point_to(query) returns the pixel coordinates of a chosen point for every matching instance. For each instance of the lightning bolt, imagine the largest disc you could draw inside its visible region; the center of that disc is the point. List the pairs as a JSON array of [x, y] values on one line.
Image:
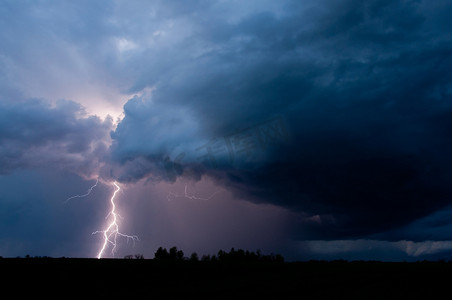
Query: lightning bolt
[[112, 233], [173, 195], [84, 195]]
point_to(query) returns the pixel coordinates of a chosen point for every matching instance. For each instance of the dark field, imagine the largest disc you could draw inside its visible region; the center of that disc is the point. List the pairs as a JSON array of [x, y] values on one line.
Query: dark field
[[216, 280]]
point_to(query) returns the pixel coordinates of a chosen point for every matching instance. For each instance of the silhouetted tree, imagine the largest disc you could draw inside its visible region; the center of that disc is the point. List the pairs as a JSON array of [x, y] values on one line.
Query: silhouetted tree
[[221, 255], [205, 258], [161, 254], [139, 256], [173, 253], [194, 257]]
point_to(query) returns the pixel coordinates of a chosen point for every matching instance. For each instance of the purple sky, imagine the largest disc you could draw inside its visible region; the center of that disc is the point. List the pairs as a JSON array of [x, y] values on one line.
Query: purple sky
[[314, 129]]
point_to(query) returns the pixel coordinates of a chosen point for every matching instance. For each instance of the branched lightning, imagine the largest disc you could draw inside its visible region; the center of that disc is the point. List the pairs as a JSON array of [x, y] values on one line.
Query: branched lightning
[[111, 233], [173, 195], [84, 195]]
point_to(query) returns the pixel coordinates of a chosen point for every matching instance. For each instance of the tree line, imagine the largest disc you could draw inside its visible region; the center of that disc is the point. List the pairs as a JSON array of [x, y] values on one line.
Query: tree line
[[240, 255]]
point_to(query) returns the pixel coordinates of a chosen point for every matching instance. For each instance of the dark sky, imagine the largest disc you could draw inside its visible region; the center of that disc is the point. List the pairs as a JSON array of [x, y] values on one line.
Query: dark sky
[[315, 129]]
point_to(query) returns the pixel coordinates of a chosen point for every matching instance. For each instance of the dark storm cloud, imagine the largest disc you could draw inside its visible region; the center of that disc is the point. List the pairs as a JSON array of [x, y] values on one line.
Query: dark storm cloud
[[35, 134], [364, 88]]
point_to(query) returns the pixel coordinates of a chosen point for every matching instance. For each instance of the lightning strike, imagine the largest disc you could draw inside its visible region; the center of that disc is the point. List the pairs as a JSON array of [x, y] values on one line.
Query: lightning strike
[[172, 195], [84, 195], [112, 233]]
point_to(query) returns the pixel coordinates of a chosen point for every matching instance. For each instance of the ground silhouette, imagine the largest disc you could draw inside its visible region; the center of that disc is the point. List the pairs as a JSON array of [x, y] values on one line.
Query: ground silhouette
[[232, 274]]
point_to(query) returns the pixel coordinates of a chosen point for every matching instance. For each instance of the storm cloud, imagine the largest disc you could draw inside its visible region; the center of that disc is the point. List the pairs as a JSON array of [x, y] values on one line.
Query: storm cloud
[[364, 90], [35, 134]]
